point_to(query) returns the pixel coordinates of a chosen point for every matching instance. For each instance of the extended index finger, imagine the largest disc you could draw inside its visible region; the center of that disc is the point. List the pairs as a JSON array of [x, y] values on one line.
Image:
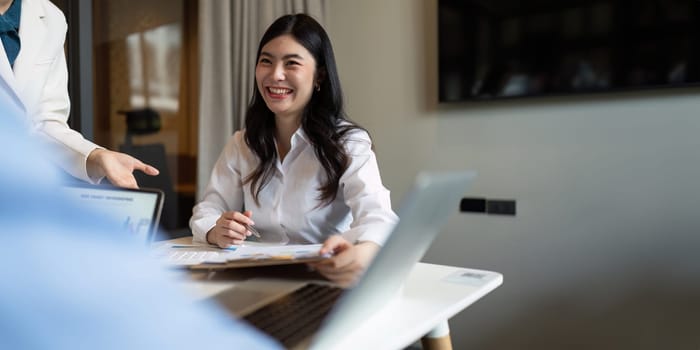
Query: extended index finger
[[137, 164]]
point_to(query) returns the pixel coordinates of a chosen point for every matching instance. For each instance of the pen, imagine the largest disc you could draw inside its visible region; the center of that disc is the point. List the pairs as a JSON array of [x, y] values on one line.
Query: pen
[[253, 231]]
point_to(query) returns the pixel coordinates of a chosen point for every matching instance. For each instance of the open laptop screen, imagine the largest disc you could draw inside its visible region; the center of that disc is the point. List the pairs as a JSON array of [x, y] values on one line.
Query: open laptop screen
[[137, 211]]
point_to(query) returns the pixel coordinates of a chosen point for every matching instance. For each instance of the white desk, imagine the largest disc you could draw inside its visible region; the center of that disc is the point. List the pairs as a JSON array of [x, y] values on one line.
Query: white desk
[[429, 298]]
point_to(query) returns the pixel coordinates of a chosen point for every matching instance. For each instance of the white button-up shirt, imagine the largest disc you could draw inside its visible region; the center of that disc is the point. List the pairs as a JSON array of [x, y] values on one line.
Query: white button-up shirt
[[289, 210]]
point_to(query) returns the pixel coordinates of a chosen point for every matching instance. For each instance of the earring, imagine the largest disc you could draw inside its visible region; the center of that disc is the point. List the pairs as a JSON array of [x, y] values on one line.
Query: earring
[[318, 87]]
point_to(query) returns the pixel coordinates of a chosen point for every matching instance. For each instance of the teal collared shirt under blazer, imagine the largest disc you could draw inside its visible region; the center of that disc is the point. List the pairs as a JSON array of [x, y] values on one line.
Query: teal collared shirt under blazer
[[9, 30]]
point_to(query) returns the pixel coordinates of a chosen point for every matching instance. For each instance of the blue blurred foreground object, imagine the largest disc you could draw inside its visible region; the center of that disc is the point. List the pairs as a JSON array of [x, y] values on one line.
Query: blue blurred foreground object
[[69, 282]]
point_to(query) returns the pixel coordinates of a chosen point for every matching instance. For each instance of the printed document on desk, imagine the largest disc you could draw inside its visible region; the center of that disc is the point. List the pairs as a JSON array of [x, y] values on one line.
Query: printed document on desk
[[250, 254]]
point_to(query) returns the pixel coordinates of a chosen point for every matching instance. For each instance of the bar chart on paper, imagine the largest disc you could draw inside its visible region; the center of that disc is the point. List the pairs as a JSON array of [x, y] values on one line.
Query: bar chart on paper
[[246, 255]]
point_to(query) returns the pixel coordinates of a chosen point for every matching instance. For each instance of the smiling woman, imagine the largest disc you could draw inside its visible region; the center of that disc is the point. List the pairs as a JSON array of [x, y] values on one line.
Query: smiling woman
[[301, 169]]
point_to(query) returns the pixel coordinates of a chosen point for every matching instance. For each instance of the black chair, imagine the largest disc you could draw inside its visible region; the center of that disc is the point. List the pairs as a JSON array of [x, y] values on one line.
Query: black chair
[[143, 122]]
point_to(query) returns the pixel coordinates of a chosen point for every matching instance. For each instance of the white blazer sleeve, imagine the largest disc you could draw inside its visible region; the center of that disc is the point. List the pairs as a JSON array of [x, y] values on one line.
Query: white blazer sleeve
[[51, 122], [44, 76]]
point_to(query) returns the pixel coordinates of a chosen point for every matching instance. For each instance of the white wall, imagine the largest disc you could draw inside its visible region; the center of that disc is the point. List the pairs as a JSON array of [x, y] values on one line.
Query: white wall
[[601, 252]]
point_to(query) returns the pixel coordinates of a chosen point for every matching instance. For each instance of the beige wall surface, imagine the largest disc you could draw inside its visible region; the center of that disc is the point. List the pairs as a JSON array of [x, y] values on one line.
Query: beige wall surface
[[602, 251]]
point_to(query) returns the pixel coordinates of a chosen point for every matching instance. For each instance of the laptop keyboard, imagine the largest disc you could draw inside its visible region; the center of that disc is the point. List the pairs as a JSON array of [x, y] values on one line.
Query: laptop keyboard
[[297, 315]]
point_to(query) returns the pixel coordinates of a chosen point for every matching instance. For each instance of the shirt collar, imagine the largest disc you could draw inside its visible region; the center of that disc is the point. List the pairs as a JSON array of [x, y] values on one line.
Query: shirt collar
[[301, 134], [10, 20]]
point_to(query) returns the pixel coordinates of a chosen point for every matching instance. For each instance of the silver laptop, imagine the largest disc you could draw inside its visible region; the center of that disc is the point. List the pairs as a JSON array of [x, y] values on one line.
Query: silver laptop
[[424, 211], [134, 211]]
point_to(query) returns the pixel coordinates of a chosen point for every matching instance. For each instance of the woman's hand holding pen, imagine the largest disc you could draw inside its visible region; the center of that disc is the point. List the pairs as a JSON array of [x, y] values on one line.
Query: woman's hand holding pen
[[232, 228], [348, 262]]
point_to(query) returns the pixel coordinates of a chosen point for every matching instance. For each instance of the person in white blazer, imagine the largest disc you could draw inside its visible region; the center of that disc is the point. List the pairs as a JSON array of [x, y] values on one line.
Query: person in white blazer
[[39, 79]]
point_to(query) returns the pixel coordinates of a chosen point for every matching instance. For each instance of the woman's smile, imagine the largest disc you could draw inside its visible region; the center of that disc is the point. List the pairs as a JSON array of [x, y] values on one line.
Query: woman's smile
[[279, 92]]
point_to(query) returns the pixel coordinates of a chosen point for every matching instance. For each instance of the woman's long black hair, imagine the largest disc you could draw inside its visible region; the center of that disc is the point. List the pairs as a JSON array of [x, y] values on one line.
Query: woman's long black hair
[[323, 119]]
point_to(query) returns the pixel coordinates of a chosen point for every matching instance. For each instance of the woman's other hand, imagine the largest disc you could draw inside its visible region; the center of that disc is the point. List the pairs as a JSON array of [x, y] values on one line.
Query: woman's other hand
[[348, 261]]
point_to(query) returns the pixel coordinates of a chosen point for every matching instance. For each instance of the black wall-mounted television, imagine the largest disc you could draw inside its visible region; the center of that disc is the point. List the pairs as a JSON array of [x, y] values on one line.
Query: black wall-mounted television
[[490, 49]]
